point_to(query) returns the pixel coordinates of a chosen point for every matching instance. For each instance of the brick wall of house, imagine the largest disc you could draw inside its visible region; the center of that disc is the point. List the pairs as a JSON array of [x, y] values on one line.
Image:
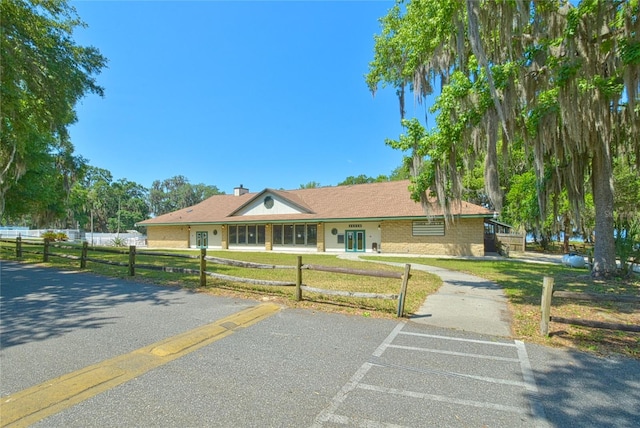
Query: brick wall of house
[[465, 237], [168, 237]]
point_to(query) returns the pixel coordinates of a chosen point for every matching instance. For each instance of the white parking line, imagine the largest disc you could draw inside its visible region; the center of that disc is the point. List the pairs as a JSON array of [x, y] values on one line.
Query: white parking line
[[327, 414], [531, 387], [330, 415], [385, 343], [454, 374], [458, 339], [443, 399], [459, 354], [361, 422]]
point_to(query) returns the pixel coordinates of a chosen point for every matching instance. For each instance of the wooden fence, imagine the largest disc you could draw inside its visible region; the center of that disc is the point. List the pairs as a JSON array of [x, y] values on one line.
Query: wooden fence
[[510, 242], [132, 265], [401, 296], [545, 306]]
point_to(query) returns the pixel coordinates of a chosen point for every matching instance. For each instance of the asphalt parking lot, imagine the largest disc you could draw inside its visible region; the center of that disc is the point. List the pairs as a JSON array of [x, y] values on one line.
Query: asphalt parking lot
[[290, 368]]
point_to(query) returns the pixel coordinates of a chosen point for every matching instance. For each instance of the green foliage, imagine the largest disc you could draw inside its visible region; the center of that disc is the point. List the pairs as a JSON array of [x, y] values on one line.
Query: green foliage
[[176, 193], [55, 236], [100, 204], [44, 74], [557, 81], [362, 179], [627, 215], [119, 242], [627, 241], [49, 235]]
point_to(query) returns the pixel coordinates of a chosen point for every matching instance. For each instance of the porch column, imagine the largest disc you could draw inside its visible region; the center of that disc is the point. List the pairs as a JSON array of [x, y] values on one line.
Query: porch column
[[224, 236], [268, 238], [320, 239]]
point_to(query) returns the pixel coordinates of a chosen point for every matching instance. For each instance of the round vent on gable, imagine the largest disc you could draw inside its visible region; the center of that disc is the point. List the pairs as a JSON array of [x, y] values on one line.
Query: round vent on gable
[[268, 202]]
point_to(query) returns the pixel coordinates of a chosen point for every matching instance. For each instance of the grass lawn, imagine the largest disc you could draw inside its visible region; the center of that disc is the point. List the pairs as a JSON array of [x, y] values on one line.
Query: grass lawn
[[421, 284], [522, 283]]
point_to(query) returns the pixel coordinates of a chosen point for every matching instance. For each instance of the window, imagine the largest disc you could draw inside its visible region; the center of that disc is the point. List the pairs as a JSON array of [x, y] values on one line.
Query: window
[[288, 234], [312, 234], [268, 202], [233, 233], [251, 234], [294, 234], [300, 235], [277, 234], [428, 228]]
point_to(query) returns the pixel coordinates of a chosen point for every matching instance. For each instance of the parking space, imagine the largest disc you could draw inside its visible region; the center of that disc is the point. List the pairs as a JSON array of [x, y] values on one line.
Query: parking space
[[449, 378]]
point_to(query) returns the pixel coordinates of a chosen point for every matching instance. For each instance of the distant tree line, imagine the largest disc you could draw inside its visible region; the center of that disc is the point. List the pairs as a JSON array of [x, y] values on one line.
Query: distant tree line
[[524, 156]]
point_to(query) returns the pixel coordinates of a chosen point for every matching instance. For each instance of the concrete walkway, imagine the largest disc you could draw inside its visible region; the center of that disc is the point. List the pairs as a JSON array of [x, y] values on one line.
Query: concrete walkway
[[464, 302]]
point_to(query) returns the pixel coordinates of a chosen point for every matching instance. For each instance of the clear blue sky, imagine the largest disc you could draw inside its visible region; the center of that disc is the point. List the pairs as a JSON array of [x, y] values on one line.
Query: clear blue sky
[[263, 93]]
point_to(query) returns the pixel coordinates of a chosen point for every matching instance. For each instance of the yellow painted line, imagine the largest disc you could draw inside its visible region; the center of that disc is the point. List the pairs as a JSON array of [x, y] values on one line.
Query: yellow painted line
[[38, 402]]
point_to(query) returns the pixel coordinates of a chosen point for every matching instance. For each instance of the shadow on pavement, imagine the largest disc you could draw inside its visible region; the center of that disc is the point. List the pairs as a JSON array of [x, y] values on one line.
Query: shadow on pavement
[[583, 390], [39, 303]]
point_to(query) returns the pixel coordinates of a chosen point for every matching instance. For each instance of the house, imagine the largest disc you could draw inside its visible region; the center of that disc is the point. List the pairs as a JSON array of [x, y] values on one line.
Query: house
[[374, 217]]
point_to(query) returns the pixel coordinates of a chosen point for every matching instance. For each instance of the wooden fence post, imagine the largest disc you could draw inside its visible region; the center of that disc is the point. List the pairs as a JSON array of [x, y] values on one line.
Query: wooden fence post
[[203, 267], [299, 279], [132, 260], [545, 305], [19, 247], [45, 257], [83, 256], [403, 290]]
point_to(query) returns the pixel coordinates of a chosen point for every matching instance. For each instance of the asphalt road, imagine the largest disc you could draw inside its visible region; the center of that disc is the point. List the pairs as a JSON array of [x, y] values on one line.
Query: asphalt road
[[292, 368]]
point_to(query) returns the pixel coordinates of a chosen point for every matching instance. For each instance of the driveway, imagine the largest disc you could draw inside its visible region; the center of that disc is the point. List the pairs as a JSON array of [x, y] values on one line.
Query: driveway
[[290, 368]]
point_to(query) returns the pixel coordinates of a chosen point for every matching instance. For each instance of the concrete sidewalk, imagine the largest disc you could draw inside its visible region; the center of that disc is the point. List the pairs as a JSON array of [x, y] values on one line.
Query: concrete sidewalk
[[465, 302]]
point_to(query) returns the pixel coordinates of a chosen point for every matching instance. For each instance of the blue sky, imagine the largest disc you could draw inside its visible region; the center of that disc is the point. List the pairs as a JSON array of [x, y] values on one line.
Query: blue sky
[[263, 93]]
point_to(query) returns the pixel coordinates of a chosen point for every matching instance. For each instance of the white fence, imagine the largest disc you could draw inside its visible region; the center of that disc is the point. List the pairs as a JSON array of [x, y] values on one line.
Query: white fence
[[94, 239], [72, 234], [115, 239]]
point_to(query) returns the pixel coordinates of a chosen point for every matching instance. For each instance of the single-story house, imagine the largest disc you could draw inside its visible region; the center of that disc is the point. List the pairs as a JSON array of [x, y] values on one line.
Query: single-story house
[[374, 217]]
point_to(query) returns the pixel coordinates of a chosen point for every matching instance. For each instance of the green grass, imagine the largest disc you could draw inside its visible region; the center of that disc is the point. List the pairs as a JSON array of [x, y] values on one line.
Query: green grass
[[421, 284], [522, 284]]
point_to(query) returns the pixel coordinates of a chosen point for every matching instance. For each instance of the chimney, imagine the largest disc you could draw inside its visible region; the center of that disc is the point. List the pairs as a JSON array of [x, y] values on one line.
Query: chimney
[[239, 191]]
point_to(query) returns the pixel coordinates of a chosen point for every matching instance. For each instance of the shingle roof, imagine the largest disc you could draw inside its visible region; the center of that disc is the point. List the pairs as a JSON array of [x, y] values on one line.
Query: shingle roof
[[356, 202]]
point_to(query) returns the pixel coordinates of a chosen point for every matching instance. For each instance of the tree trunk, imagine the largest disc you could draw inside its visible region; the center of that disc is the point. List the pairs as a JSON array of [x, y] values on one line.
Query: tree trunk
[[604, 253]]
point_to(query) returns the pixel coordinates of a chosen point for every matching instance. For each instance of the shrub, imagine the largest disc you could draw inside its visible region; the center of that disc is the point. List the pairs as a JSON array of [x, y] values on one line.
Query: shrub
[[119, 242], [49, 235]]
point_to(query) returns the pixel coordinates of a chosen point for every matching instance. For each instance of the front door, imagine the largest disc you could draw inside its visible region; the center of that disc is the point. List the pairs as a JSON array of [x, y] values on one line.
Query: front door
[[354, 240], [202, 239]]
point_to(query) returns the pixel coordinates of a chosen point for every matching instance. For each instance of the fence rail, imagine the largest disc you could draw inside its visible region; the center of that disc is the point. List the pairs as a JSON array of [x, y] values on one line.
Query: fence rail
[[545, 306], [203, 273], [401, 296]]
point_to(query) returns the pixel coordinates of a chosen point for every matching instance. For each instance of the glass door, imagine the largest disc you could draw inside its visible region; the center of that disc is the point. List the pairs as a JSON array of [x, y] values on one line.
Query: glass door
[[354, 240], [202, 239]]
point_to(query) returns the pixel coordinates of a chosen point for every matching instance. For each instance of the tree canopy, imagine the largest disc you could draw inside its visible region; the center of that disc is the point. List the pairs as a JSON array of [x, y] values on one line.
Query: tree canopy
[[43, 73], [176, 192], [560, 82]]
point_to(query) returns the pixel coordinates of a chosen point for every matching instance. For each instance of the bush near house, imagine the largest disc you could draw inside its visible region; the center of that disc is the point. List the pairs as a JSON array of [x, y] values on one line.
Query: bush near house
[[55, 236]]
